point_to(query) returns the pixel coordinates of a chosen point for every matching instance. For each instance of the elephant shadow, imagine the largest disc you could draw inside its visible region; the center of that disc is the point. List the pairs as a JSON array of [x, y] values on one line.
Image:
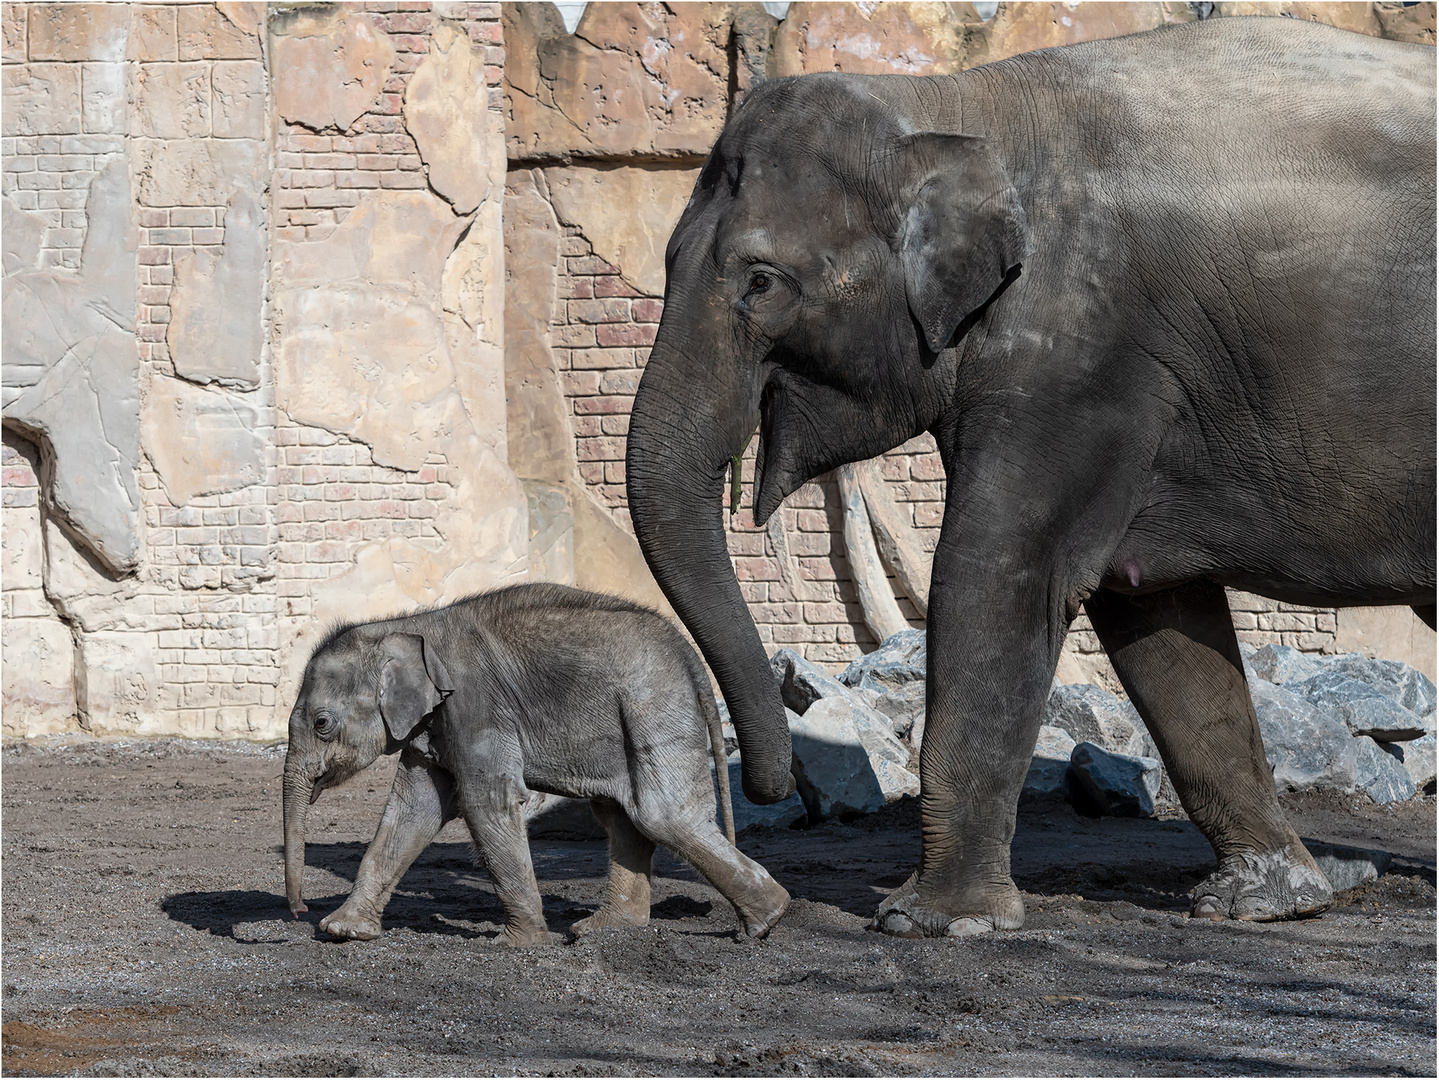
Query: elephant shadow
[[446, 891]]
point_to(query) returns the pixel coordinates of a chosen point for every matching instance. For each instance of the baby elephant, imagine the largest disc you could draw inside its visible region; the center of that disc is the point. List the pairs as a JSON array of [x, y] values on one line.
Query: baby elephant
[[529, 688]]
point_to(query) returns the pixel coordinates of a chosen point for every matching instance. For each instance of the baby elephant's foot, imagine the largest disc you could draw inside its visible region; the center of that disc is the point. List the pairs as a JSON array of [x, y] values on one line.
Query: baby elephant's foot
[[905, 913], [523, 935], [761, 915], [351, 924], [609, 918], [1263, 886]]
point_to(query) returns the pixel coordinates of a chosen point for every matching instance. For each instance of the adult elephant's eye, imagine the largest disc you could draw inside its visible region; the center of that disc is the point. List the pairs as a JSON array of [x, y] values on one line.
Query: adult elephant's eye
[[759, 283]]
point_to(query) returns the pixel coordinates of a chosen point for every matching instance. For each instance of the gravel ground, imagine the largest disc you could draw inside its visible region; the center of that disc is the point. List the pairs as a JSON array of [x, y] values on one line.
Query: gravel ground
[[145, 933]]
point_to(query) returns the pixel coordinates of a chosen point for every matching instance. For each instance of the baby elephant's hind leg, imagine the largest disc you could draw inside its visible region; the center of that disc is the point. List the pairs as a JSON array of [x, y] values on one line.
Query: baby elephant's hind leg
[[757, 897], [632, 856]]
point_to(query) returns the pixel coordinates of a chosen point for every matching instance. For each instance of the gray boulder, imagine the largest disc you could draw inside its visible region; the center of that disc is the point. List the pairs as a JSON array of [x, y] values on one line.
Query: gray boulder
[[1364, 710], [1121, 785], [1397, 681], [1050, 761], [1307, 747], [1348, 867], [1417, 757], [1381, 776], [904, 706], [1091, 714], [838, 776], [1281, 664], [901, 658], [802, 683]]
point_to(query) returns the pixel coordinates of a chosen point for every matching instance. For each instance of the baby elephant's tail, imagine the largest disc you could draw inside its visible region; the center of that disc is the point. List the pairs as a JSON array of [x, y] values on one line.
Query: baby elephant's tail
[[712, 721]]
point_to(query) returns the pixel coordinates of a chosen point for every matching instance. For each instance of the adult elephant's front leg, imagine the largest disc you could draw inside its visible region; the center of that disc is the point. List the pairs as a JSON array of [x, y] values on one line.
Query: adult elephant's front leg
[[1177, 655], [995, 629]]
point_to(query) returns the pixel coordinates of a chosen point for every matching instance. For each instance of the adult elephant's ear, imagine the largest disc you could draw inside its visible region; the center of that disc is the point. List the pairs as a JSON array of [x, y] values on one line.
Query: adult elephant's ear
[[413, 681], [962, 231]]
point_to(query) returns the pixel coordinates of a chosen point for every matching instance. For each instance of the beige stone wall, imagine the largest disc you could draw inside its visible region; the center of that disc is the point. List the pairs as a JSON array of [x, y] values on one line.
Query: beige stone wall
[[269, 245], [614, 166], [328, 311]]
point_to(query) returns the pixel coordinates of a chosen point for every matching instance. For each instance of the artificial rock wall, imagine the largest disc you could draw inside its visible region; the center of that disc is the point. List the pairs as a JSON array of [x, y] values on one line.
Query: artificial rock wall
[[327, 311]]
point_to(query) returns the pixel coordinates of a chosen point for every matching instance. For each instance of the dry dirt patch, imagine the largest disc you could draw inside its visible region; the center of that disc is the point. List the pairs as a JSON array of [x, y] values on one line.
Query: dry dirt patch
[[145, 933]]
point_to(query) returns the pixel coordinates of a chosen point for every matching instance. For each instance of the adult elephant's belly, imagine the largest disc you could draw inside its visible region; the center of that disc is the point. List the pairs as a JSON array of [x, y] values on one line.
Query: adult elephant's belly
[[1348, 550]]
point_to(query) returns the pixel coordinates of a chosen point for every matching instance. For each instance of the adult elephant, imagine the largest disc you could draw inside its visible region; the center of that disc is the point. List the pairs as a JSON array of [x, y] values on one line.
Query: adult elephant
[[1165, 302]]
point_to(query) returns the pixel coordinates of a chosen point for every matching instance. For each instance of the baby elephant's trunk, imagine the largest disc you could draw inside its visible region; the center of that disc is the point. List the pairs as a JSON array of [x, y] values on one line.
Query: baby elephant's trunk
[[296, 804]]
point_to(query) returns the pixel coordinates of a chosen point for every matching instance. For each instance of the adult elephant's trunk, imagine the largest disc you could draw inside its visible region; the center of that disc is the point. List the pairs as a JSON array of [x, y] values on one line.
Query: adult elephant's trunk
[[299, 777], [689, 418]]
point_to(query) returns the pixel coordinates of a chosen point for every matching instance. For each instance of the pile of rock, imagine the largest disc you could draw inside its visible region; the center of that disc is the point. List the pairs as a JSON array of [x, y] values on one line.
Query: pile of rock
[[1342, 723]]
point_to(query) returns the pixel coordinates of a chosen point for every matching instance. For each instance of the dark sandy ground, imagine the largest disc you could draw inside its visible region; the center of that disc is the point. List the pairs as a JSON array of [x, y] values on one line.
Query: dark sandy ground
[[145, 933]]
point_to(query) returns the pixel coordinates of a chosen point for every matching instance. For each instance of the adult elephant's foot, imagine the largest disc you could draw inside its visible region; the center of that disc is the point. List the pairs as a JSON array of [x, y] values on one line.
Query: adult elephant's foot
[[1263, 886], [912, 911], [523, 935], [351, 924]]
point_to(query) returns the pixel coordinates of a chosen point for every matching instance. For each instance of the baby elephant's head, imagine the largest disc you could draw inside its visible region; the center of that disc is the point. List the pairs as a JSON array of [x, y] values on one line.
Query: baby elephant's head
[[364, 693]]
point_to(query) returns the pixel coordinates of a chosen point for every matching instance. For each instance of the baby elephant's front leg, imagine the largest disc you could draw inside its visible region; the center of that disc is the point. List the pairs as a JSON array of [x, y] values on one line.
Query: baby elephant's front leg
[[421, 801]]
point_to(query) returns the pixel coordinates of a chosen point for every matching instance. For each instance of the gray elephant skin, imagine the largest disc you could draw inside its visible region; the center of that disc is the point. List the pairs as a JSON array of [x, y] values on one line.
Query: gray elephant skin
[[1166, 305], [530, 688]]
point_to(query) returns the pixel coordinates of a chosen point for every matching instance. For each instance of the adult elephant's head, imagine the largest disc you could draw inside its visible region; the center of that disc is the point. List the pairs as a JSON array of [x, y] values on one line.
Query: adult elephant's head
[[835, 246]]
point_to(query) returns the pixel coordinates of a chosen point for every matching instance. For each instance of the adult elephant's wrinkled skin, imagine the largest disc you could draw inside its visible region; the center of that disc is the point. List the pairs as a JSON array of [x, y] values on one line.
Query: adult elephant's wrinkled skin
[[1166, 304]]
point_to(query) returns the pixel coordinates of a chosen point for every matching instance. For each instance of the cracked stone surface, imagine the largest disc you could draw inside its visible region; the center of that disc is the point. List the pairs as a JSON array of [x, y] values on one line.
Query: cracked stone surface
[[201, 441], [215, 332], [328, 66], [71, 375], [446, 110], [626, 213], [649, 80]]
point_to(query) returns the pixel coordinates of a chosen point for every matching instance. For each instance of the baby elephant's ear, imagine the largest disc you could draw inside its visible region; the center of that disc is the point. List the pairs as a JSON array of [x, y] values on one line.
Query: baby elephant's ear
[[413, 681]]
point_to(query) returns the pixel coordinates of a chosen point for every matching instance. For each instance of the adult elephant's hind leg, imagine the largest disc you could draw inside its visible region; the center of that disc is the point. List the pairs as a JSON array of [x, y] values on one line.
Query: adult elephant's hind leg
[[1177, 655]]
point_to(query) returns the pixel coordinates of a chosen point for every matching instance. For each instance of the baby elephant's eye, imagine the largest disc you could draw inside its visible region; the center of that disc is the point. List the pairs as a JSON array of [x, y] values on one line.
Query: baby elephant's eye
[[324, 723]]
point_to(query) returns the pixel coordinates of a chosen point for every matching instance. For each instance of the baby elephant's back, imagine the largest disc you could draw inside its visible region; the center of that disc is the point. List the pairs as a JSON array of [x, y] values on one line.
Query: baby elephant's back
[[599, 681]]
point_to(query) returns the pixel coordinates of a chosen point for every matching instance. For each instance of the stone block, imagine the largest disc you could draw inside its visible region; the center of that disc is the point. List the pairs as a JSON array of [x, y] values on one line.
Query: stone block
[[239, 99], [172, 101], [40, 99], [152, 33], [216, 332], [1397, 681], [1348, 867], [1406, 22], [78, 31], [201, 441], [117, 685], [1382, 776], [13, 46], [20, 235], [210, 32], [1361, 707], [103, 99], [1120, 785], [1306, 747], [905, 707], [446, 110], [37, 676], [71, 375], [802, 683], [1281, 664], [626, 213], [873, 39], [328, 66], [195, 172], [632, 79]]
